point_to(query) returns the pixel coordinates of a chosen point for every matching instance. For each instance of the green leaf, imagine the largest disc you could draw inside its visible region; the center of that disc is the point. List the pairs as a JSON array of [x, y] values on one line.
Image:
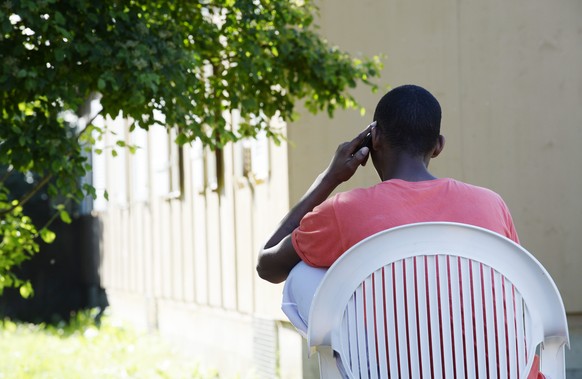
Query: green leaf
[[26, 290], [65, 217], [181, 139], [59, 18], [47, 235], [6, 25], [60, 55]]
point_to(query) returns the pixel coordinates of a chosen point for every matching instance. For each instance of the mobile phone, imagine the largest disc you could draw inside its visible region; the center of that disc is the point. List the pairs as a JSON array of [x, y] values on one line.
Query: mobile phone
[[367, 141]]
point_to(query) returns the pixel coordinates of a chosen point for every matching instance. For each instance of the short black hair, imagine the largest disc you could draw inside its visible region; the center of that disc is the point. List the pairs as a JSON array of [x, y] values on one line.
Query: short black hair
[[409, 118]]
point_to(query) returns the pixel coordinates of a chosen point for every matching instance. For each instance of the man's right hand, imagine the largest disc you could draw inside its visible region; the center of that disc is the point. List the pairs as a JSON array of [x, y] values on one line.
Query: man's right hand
[[348, 158]]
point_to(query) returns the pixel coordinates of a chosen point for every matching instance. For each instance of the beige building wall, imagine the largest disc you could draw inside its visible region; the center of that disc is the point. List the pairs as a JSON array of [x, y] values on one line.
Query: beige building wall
[[509, 79], [181, 232]]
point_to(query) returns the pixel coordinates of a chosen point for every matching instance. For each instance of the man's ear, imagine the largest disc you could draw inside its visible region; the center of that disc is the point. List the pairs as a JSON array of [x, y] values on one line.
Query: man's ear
[[376, 139], [440, 145]]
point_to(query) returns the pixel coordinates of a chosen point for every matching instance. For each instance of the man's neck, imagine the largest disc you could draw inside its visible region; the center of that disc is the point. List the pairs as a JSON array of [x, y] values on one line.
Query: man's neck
[[406, 167]]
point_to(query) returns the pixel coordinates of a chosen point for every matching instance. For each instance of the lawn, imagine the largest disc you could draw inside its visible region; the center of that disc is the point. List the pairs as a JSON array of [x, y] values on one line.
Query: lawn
[[83, 349]]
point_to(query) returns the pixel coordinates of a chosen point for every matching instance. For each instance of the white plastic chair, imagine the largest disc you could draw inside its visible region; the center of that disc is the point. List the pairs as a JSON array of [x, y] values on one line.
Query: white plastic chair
[[437, 300]]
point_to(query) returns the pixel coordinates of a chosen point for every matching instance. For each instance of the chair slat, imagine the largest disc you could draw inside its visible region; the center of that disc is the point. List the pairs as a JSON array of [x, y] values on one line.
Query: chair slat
[[468, 327], [380, 319], [344, 338], [361, 332], [353, 362], [399, 288], [501, 331], [489, 321], [370, 335], [446, 331], [519, 326], [456, 320], [410, 300], [422, 319], [391, 321], [433, 318], [511, 338], [477, 310]]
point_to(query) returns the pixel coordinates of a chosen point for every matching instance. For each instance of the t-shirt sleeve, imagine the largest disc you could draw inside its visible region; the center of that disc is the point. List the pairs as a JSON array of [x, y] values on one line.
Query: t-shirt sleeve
[[317, 240], [511, 231]]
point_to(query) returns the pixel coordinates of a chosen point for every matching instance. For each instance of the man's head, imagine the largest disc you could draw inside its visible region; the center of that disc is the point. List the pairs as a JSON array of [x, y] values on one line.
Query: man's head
[[408, 120]]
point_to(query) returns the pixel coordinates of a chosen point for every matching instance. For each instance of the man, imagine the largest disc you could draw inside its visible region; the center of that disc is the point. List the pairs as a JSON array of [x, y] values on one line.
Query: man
[[405, 136]]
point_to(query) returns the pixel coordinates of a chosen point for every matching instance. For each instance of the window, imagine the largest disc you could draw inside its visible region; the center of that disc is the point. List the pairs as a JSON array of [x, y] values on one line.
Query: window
[[207, 168]]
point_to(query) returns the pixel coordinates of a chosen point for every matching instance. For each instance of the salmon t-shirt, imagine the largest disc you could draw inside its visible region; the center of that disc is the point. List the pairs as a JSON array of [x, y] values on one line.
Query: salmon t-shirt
[[348, 217]]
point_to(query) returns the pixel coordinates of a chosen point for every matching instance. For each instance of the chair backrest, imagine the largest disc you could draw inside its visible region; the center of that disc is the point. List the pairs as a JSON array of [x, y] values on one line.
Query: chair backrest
[[438, 300]]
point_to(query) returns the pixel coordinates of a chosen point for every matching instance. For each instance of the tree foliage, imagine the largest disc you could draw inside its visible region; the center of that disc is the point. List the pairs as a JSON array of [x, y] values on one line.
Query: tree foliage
[[190, 61]]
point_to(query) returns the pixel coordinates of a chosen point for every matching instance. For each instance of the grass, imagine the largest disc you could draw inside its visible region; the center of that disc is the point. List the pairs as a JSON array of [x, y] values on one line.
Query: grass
[[83, 349]]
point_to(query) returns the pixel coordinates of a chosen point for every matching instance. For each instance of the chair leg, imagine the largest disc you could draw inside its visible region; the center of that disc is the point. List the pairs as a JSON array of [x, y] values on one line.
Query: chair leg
[[552, 358], [328, 364]]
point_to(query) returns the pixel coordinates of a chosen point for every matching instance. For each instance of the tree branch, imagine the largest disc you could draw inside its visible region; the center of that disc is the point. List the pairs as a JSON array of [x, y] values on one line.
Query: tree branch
[[87, 126], [28, 195], [6, 175], [53, 218]]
